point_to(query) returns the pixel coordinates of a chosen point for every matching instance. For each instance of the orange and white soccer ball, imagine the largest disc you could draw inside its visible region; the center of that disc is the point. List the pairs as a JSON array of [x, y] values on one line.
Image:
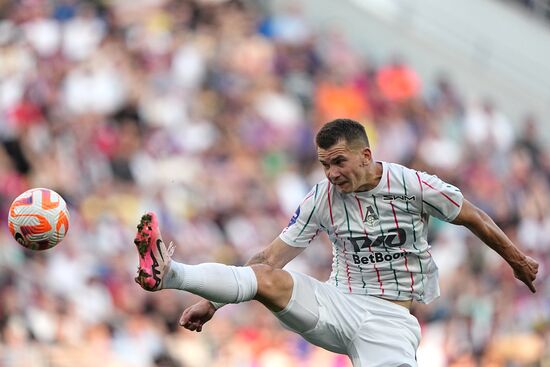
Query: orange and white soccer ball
[[38, 219]]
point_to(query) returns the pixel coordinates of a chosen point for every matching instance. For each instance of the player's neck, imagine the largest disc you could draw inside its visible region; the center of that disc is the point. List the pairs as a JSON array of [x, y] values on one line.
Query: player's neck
[[373, 175]]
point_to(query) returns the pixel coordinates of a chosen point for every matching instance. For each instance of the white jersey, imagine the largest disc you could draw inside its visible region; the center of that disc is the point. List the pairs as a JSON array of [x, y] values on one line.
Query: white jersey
[[379, 237]]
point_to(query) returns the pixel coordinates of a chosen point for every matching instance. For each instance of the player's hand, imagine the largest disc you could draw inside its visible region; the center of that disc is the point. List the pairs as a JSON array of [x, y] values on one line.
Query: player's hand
[[195, 316], [526, 271]]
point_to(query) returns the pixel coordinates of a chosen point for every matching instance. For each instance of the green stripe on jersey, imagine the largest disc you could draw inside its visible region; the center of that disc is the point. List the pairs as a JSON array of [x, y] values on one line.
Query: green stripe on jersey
[[425, 202], [351, 236], [407, 203], [414, 230], [385, 247], [310, 215]]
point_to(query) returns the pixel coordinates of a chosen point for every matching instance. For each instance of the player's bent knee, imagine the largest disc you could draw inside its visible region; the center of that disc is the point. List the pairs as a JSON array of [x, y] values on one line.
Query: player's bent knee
[[274, 286]]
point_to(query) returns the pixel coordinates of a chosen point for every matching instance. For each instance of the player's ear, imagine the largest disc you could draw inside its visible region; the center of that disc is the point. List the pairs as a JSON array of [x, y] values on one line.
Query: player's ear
[[367, 156]]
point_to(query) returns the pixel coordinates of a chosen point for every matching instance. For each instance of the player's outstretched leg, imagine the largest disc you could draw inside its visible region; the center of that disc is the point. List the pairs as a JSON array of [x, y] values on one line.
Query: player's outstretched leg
[[215, 282], [154, 256]]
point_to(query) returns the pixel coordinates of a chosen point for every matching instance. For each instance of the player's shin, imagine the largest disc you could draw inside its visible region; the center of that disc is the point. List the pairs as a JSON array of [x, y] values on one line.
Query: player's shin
[[215, 282]]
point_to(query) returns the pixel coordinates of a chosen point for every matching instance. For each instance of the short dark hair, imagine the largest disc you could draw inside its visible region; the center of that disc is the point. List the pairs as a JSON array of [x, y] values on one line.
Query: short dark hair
[[351, 131]]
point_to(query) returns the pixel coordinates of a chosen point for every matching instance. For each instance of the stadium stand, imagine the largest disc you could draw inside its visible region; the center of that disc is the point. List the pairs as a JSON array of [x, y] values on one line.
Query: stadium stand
[[205, 112]]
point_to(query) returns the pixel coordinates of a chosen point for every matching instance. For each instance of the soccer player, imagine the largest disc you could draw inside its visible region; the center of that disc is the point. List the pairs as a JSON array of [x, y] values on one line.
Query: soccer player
[[376, 216]]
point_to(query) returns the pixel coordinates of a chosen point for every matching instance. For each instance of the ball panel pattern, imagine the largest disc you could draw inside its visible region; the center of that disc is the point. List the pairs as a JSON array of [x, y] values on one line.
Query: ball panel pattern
[[38, 219]]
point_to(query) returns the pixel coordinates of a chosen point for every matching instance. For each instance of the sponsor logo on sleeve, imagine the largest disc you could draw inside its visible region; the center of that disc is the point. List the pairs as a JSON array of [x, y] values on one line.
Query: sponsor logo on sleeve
[[294, 217]]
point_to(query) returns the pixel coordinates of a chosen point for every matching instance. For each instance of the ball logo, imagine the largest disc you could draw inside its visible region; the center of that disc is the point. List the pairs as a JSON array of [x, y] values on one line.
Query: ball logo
[[47, 202]]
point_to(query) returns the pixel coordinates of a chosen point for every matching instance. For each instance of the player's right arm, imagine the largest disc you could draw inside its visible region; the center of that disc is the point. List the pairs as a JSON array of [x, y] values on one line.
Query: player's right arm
[[447, 203], [277, 254], [477, 221]]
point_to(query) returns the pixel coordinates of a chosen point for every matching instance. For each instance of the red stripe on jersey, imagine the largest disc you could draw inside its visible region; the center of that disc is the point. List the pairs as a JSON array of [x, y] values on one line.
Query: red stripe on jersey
[[307, 197], [421, 191], [347, 268], [395, 220], [410, 273], [314, 235], [397, 226], [370, 248], [442, 193], [393, 208], [335, 233], [419, 182]]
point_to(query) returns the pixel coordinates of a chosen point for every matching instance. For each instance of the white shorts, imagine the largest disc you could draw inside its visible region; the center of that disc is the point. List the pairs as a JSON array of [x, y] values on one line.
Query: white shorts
[[370, 330]]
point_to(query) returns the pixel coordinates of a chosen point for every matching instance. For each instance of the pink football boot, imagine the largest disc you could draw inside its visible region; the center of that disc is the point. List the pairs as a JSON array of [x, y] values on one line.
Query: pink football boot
[[154, 256]]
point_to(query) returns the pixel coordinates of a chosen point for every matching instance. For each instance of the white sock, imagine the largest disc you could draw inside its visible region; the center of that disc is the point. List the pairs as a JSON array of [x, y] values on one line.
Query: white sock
[[215, 282]]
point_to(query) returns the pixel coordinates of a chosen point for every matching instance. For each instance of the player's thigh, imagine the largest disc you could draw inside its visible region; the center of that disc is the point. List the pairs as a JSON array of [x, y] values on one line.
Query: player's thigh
[[385, 351], [317, 311], [386, 339]]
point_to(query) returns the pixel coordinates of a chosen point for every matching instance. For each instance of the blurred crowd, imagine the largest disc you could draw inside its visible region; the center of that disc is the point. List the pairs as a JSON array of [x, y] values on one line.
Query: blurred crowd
[[205, 111]]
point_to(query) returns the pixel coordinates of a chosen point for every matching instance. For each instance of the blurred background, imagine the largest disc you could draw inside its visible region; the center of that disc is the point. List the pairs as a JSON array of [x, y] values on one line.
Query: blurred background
[[205, 112]]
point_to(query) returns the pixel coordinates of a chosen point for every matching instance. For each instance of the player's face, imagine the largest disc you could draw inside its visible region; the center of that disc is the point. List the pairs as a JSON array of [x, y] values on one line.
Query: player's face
[[344, 167]]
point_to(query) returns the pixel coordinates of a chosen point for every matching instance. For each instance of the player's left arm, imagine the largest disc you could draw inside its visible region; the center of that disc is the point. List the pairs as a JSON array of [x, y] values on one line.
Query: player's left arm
[[476, 220]]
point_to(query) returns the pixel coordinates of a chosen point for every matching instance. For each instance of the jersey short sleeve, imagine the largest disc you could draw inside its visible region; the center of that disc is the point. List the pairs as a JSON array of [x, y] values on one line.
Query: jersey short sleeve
[[440, 199], [303, 227]]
